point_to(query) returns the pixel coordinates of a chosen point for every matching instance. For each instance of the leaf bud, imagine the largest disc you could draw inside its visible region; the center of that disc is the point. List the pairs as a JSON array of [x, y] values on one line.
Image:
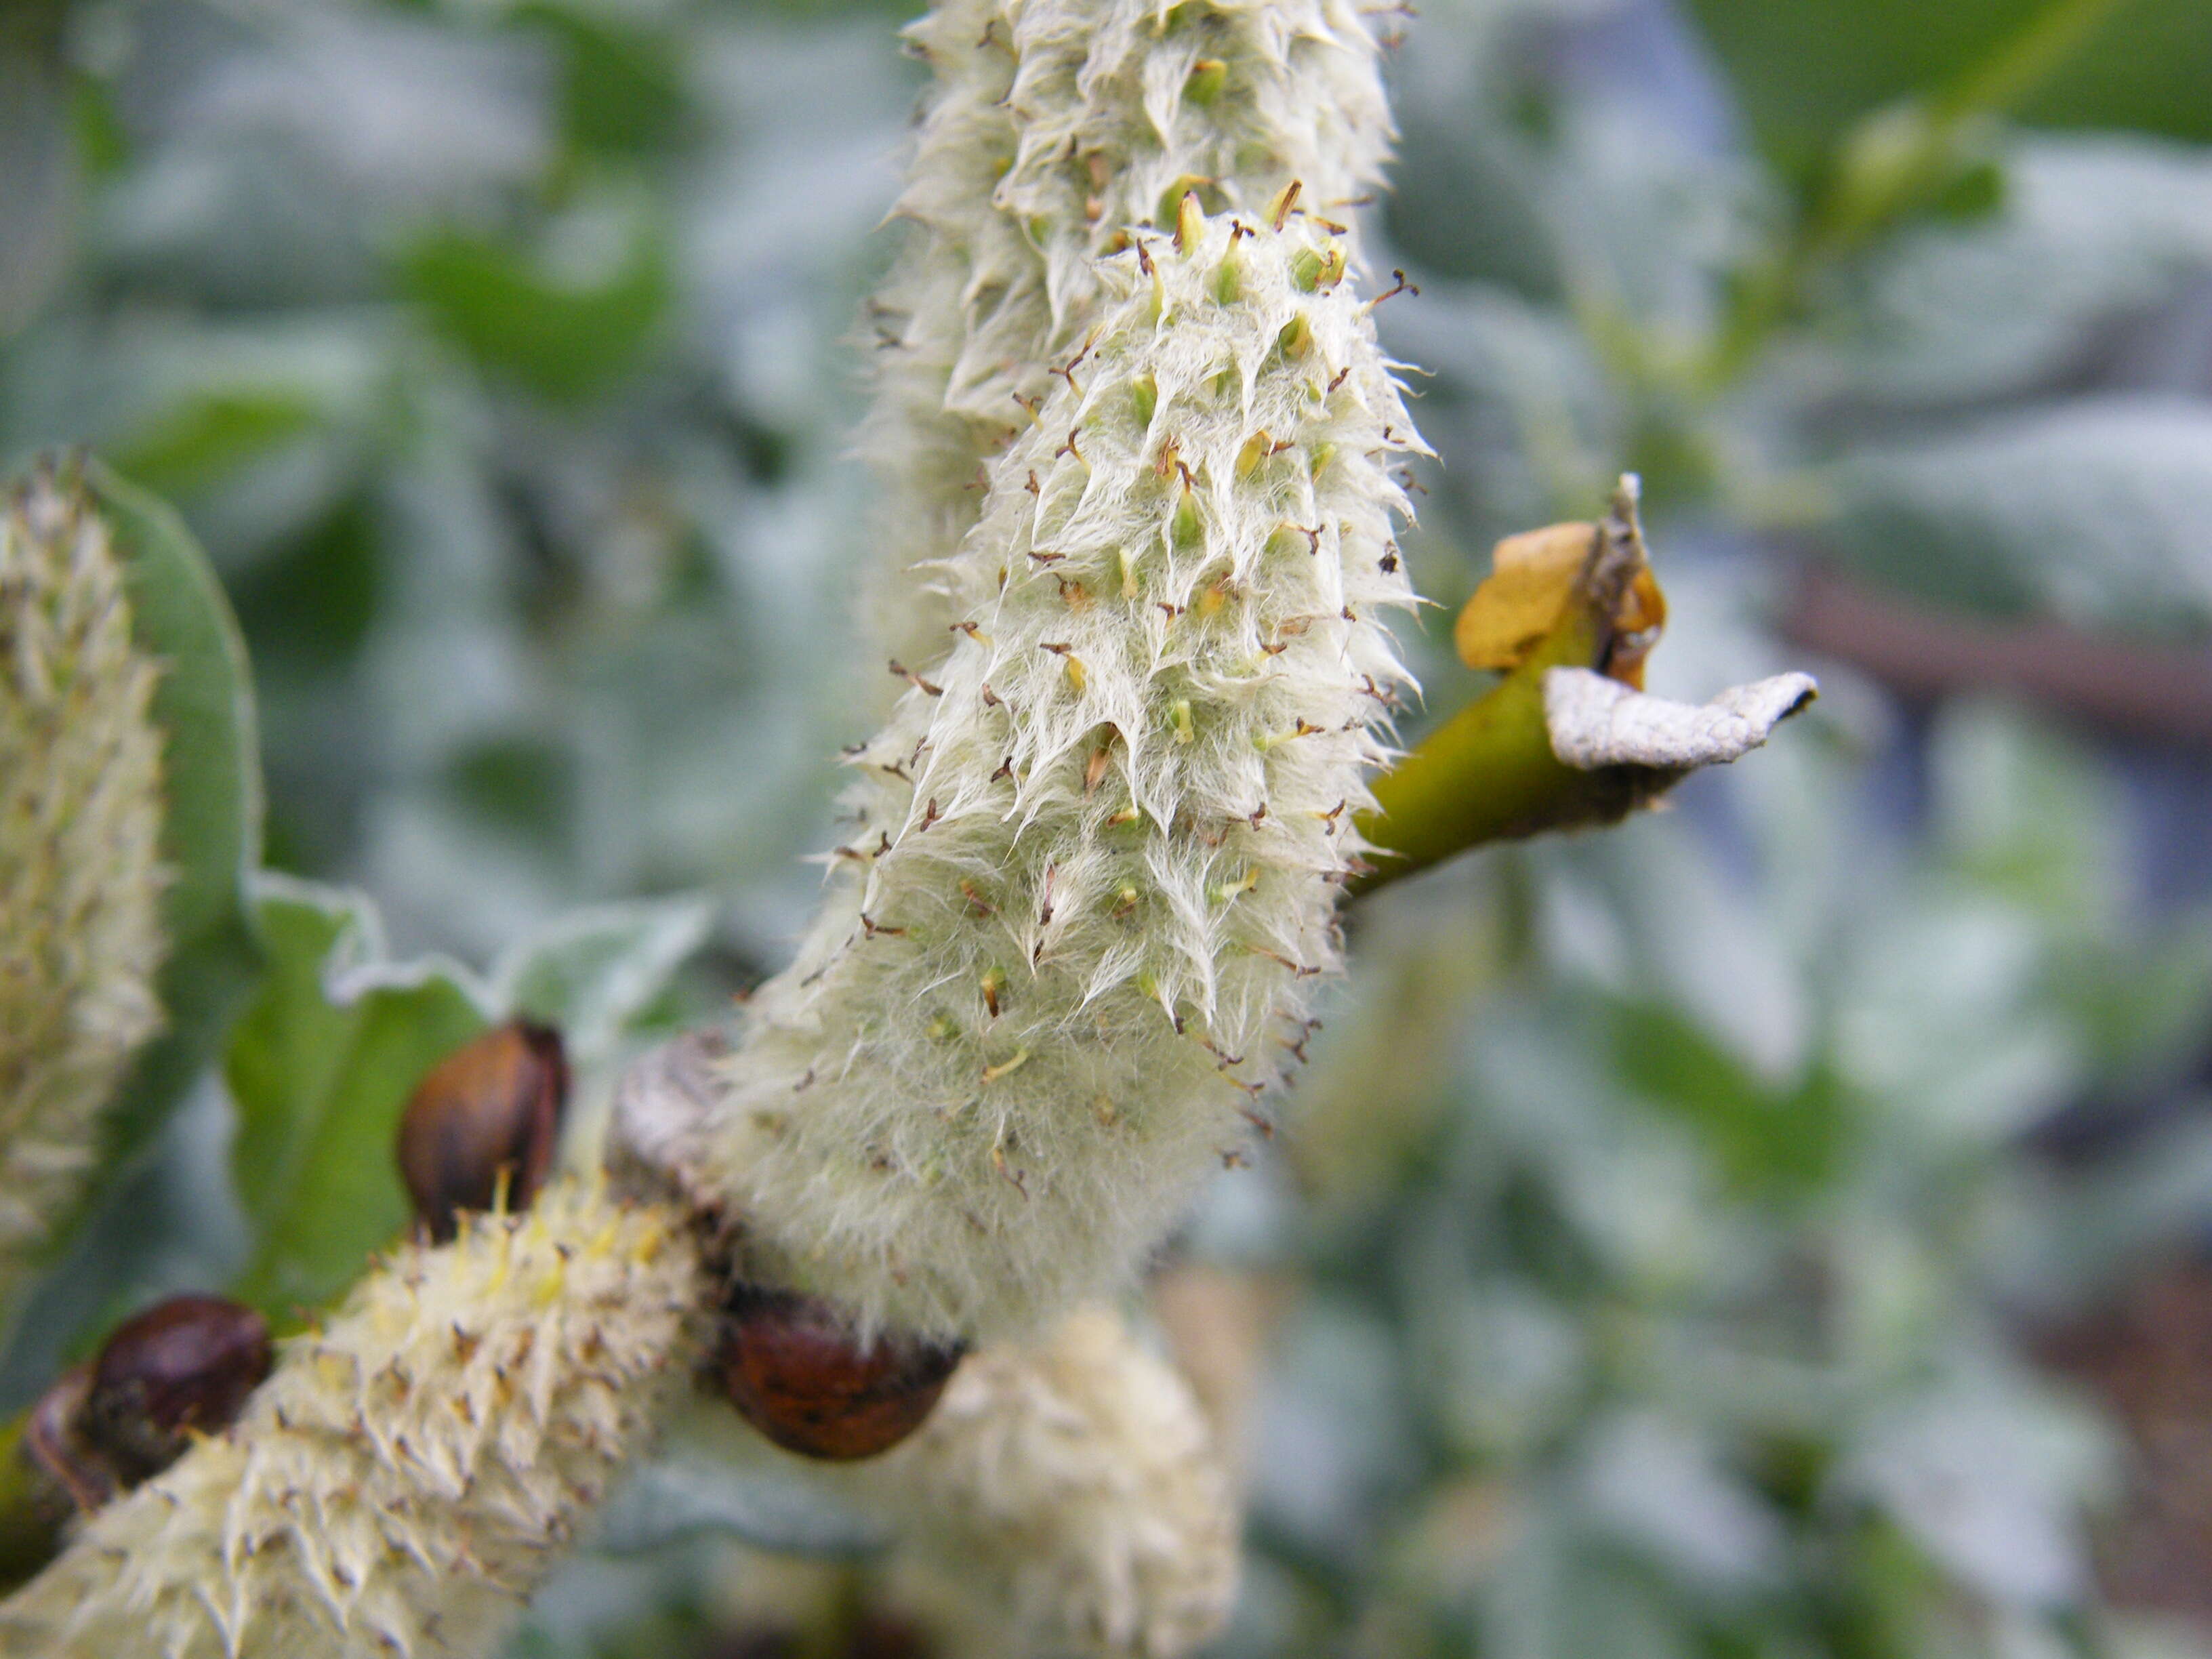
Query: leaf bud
[[794, 1369], [484, 1118], [182, 1367]]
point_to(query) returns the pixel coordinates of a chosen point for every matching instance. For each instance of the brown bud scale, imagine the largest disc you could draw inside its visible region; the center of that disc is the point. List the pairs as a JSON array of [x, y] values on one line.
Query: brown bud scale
[[490, 1111], [792, 1368], [185, 1366]]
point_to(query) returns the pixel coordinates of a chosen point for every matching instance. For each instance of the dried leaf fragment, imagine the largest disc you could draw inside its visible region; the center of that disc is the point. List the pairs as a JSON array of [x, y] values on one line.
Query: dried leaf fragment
[[1542, 580], [1532, 578], [1596, 722]]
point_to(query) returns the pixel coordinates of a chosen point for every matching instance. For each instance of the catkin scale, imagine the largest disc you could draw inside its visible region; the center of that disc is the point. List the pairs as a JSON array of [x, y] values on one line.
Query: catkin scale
[[182, 1367], [1098, 845], [179, 1370]]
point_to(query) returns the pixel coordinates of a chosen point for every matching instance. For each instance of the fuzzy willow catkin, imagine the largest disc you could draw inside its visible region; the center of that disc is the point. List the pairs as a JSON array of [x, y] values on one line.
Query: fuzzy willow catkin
[[1054, 128], [404, 1479], [1096, 850], [1066, 1498], [80, 876]]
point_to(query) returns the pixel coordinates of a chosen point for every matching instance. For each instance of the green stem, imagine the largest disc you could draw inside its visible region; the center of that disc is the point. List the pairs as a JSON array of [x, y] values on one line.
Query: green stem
[[1888, 163], [2026, 60], [1488, 773]]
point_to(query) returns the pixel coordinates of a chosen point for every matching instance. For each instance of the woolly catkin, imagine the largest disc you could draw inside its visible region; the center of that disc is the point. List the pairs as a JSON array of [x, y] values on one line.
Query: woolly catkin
[[80, 878], [404, 1479], [1095, 851], [1056, 128], [1066, 1498]]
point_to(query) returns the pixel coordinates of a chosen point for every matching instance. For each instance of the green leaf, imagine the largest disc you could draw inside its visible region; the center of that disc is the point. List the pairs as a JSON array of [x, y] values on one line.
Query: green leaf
[[559, 335], [621, 86], [320, 1067], [1943, 1026], [1988, 1475], [2093, 510], [211, 820], [203, 439], [2025, 814], [1807, 71], [323, 1063], [593, 972], [1782, 1142], [1662, 1488], [2148, 69]]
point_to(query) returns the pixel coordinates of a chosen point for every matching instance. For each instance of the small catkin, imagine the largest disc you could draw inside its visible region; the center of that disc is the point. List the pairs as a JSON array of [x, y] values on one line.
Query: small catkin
[[1066, 1497], [406, 1478], [80, 873], [1096, 850], [1053, 131]]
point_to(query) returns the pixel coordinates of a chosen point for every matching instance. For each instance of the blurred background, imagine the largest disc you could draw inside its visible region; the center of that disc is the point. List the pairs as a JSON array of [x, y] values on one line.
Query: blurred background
[[1778, 1227]]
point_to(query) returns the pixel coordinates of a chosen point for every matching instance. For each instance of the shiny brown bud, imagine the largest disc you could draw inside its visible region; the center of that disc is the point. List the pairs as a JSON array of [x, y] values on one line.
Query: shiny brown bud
[[184, 1366], [792, 1369], [487, 1113]]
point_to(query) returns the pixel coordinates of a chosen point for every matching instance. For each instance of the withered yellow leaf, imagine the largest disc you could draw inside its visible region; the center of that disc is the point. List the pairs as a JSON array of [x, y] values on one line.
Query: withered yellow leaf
[[1535, 579], [1531, 581]]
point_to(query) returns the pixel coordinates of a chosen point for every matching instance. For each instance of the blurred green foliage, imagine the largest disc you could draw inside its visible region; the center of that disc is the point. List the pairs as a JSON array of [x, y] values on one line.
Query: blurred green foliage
[[1670, 1309], [563, 340], [1806, 73]]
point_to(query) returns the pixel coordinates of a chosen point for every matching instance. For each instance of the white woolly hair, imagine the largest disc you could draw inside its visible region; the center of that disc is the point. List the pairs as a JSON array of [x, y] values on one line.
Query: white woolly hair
[[1055, 129], [1096, 850], [1066, 1498], [404, 1479], [80, 878]]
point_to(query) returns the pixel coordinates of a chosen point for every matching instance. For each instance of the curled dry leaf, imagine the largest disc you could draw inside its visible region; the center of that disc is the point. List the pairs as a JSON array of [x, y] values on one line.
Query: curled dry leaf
[[1596, 722]]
